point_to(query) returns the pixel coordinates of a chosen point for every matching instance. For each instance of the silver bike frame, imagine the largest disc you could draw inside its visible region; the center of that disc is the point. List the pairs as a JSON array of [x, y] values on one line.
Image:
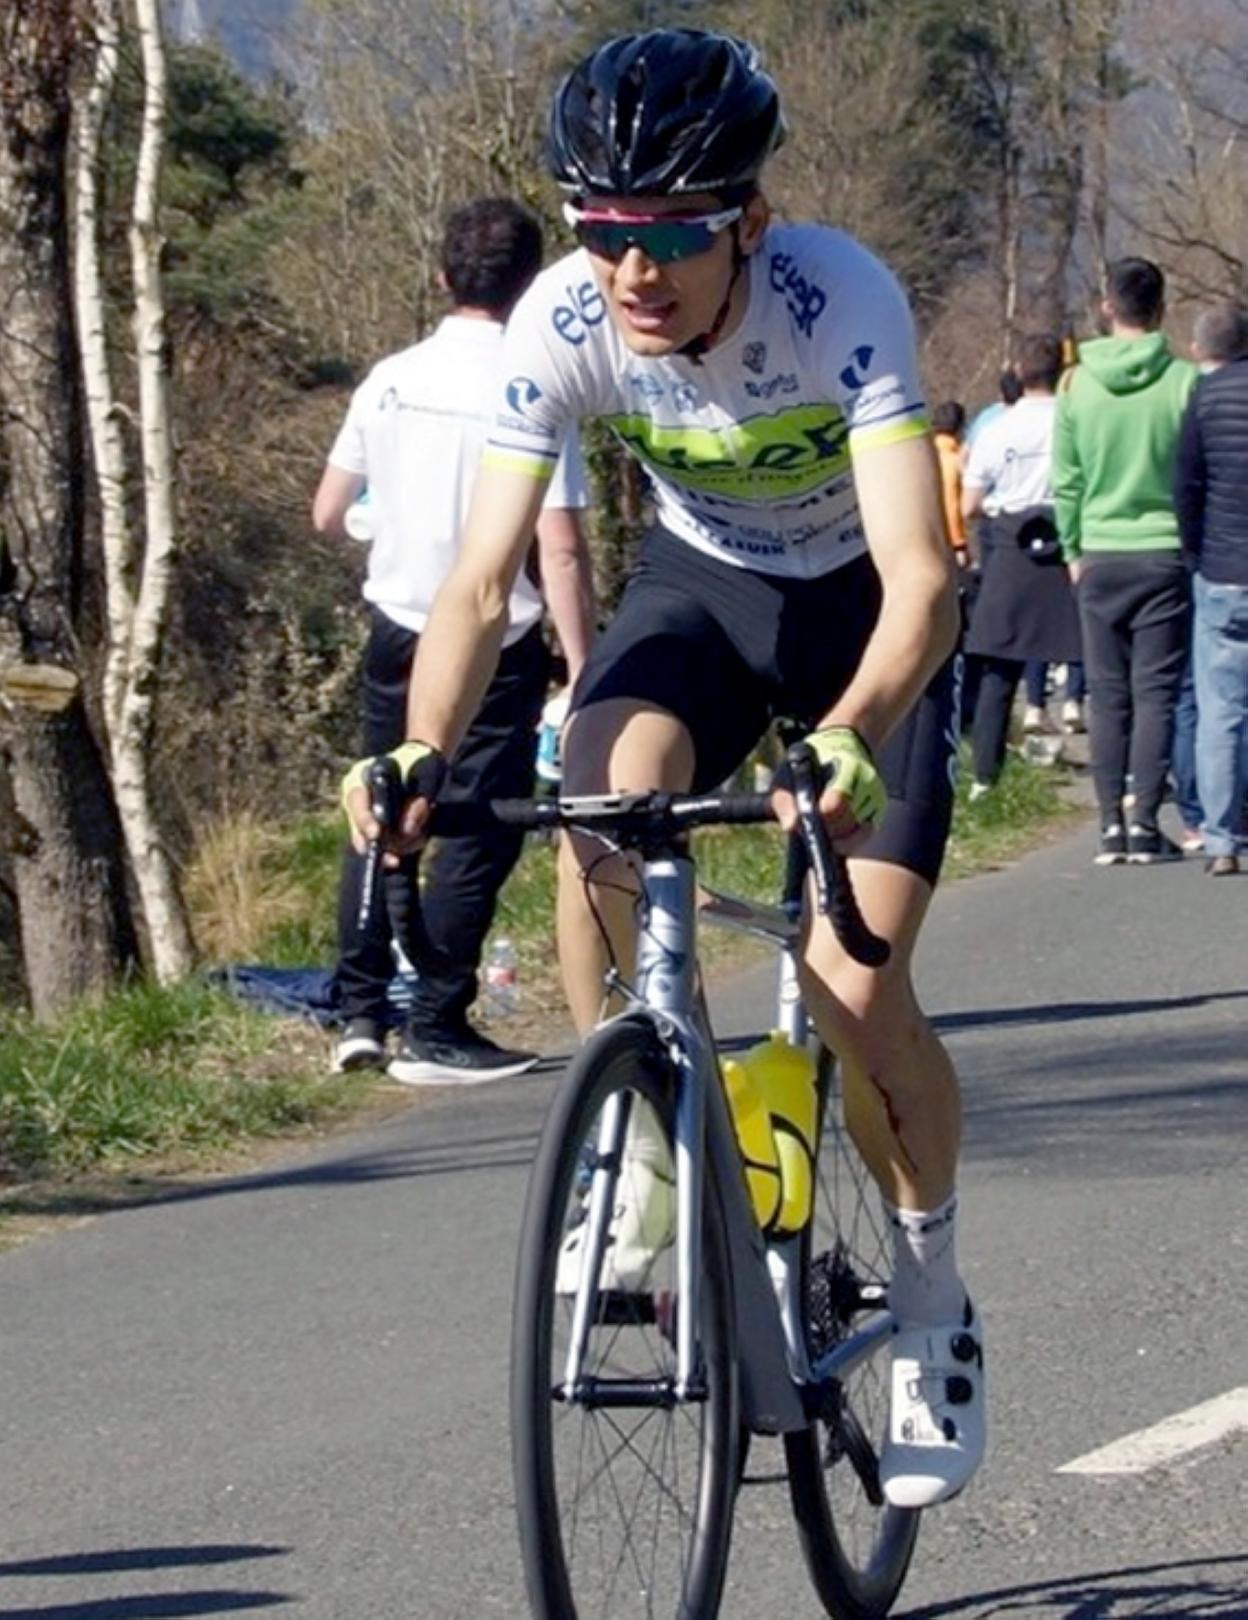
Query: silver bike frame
[[771, 1350]]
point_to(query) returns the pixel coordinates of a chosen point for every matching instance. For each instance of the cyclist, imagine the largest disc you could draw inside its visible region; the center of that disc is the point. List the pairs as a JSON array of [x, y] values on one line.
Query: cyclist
[[765, 375]]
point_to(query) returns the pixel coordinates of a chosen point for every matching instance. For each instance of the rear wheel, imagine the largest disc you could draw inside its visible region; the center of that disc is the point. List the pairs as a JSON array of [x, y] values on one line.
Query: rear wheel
[[624, 1493], [857, 1546]]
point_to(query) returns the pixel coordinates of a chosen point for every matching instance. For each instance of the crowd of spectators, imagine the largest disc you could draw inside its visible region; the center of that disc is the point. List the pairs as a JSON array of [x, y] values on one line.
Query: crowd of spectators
[[1099, 514]]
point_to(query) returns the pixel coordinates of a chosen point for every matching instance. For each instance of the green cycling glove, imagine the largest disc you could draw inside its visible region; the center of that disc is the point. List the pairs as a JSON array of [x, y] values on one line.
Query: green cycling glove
[[422, 770], [846, 764]]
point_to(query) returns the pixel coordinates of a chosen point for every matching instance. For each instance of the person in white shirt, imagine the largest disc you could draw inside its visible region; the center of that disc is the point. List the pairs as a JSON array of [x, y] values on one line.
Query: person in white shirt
[[1025, 608], [411, 443]]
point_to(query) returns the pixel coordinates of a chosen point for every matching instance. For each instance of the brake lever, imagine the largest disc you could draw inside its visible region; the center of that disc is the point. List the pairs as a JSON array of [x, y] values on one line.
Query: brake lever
[[800, 759], [385, 802], [834, 893]]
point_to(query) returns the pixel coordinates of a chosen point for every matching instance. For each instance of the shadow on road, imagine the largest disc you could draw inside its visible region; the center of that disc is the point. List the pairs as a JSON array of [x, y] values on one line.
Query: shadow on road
[[1072, 1012], [151, 1606], [1163, 1591], [146, 1605], [126, 1558], [511, 1151]]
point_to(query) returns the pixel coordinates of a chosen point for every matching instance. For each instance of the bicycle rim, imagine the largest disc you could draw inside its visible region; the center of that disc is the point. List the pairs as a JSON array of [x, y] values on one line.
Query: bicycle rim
[[857, 1549], [625, 1513]]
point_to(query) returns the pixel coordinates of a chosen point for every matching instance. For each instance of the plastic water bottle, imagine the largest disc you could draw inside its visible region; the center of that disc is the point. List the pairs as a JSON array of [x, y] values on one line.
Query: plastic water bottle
[[549, 753], [502, 990], [357, 520]]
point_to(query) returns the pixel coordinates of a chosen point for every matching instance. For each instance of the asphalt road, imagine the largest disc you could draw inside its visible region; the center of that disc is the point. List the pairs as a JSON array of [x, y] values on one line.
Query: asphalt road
[[287, 1390]]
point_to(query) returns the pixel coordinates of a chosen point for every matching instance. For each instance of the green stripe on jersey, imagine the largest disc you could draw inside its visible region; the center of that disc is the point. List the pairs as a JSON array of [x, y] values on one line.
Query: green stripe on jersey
[[773, 457]]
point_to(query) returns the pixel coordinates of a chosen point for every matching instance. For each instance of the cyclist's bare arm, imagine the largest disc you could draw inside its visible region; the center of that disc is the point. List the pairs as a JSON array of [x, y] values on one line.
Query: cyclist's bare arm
[[459, 647], [567, 582], [899, 498]]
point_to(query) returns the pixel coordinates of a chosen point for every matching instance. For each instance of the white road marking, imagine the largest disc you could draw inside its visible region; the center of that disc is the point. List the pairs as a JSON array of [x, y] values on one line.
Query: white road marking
[[1172, 1438]]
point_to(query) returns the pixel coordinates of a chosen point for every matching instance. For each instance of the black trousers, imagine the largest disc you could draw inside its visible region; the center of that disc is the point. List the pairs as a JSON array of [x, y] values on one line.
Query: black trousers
[[1135, 611], [462, 876], [998, 682]]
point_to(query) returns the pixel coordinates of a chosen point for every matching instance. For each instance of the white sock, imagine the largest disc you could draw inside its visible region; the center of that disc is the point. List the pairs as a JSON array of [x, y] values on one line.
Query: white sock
[[925, 1285]]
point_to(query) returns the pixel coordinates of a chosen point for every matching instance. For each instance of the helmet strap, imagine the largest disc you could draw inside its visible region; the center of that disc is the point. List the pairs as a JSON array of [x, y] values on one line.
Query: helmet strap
[[698, 346]]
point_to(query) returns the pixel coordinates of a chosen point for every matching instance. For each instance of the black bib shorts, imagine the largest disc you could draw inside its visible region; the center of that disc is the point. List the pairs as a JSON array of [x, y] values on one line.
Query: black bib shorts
[[727, 650]]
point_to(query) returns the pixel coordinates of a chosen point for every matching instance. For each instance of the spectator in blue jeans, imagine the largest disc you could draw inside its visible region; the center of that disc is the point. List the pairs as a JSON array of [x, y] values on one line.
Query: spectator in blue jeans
[[1211, 501], [1183, 765]]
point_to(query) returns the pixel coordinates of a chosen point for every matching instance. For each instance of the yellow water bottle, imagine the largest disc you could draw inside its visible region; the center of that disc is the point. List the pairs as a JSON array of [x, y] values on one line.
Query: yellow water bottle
[[783, 1077], [752, 1121]]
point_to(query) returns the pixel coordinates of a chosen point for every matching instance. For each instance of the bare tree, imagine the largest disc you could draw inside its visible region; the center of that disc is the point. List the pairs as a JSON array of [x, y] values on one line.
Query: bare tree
[[1184, 191], [65, 840], [138, 584]]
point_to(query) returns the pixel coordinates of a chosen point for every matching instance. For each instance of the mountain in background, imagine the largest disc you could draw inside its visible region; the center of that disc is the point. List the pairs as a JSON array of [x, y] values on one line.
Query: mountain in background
[[250, 32]]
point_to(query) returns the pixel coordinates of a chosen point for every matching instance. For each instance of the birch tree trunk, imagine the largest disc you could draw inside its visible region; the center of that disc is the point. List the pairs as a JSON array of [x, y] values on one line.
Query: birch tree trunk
[[138, 612], [63, 832]]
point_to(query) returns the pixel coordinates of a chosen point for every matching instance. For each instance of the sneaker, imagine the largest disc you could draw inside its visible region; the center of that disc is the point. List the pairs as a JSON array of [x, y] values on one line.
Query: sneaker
[[1072, 717], [467, 1059], [937, 1423], [643, 1224], [978, 791], [1191, 841], [1034, 718], [360, 1046], [1113, 850], [1222, 865], [1146, 846]]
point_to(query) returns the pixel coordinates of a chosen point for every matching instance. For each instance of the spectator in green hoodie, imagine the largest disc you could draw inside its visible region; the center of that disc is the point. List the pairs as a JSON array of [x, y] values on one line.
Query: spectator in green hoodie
[[1116, 434]]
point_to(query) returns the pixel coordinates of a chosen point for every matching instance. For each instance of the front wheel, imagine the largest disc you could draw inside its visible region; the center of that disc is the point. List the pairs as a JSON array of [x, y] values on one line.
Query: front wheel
[[857, 1546], [624, 1492]]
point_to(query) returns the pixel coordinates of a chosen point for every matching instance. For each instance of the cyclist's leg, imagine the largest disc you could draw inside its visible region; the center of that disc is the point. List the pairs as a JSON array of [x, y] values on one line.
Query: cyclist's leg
[[901, 1093], [671, 698], [619, 745], [902, 1104]]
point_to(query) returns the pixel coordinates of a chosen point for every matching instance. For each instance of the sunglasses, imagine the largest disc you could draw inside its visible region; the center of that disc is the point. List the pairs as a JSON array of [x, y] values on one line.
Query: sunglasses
[[663, 238]]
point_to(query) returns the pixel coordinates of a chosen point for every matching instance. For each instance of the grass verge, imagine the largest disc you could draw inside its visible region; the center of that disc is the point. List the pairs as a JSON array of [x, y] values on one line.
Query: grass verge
[[187, 1071], [184, 1070]]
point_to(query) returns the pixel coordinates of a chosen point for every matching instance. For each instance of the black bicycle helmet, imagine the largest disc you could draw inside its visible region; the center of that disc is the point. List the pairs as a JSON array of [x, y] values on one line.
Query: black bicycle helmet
[[670, 111]]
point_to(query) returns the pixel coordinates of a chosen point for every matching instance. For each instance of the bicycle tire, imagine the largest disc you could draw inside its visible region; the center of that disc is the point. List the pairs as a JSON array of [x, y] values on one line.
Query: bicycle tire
[[568, 1571], [857, 1552]]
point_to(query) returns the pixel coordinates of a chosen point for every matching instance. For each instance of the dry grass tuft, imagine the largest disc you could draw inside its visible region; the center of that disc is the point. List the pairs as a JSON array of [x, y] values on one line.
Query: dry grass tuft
[[236, 888]]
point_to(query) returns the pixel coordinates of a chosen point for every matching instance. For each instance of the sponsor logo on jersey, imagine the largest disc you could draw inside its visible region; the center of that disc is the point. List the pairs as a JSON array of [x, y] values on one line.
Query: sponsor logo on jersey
[[785, 383], [765, 457], [873, 397], [806, 301], [647, 386], [754, 358], [585, 308], [522, 394], [858, 363]]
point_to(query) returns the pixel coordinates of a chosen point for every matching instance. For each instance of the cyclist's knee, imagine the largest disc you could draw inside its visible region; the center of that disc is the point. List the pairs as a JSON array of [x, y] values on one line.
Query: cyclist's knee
[[868, 1016], [584, 860], [623, 745]]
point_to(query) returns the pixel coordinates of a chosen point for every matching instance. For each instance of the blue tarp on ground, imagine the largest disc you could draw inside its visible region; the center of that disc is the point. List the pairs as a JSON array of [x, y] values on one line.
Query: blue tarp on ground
[[301, 992]]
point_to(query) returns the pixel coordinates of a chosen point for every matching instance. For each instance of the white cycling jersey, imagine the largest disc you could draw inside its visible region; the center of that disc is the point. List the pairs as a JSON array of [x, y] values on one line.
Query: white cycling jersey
[[749, 449]]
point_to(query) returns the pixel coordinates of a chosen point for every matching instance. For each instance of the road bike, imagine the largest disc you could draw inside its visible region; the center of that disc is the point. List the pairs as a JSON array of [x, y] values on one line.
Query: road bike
[[655, 1326]]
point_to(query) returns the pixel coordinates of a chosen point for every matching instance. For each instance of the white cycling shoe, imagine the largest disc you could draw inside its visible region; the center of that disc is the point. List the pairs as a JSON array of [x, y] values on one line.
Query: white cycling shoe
[[643, 1224], [937, 1422]]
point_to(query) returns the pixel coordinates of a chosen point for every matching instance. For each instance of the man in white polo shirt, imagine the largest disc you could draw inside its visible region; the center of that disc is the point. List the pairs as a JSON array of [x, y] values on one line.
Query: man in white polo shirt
[[412, 438]]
